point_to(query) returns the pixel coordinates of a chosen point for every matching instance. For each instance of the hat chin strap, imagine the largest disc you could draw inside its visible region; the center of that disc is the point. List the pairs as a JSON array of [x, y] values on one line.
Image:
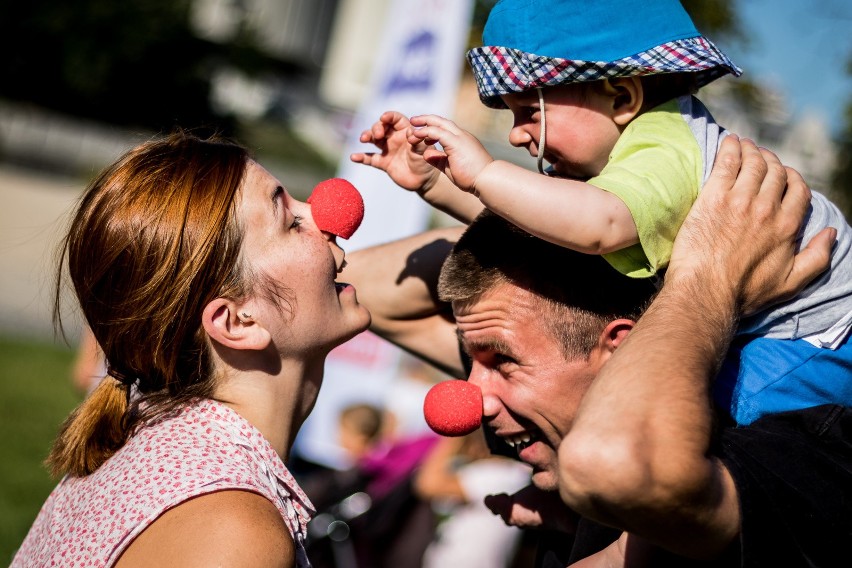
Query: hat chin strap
[[542, 134]]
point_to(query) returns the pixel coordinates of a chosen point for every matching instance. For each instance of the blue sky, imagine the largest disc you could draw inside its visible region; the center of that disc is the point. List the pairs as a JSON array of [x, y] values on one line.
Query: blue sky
[[800, 46]]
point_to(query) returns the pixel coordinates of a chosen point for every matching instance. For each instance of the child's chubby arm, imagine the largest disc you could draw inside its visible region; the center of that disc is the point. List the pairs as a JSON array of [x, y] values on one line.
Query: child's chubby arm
[[567, 212], [405, 165]]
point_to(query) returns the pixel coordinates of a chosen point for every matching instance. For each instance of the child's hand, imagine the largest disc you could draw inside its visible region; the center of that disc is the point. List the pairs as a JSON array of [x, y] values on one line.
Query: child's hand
[[463, 155], [403, 162]]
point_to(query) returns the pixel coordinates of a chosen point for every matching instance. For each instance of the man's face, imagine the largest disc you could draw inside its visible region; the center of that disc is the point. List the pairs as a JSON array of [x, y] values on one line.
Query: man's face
[[530, 391]]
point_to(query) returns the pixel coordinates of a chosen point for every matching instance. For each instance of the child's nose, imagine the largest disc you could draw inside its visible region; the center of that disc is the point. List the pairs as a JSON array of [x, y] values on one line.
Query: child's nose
[[337, 207], [519, 137]]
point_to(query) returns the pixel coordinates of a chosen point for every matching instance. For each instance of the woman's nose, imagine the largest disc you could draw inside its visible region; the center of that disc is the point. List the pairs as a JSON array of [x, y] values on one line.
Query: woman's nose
[[337, 207], [338, 253]]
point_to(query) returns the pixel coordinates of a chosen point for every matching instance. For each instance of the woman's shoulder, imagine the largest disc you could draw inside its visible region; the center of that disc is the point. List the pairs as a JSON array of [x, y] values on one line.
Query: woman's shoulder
[[193, 452], [216, 528], [194, 458]]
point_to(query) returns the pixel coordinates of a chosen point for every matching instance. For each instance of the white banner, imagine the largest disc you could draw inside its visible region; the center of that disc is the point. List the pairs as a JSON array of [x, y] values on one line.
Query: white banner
[[416, 71]]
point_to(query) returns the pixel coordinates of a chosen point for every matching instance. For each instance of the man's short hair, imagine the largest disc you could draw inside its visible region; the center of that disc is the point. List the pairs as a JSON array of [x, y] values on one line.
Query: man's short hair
[[580, 293]]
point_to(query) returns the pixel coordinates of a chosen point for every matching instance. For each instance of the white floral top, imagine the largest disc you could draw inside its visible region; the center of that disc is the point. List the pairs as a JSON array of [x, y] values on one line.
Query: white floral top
[[207, 447]]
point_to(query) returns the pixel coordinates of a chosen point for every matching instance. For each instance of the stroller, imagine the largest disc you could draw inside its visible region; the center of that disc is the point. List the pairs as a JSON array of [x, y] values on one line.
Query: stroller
[[370, 516]]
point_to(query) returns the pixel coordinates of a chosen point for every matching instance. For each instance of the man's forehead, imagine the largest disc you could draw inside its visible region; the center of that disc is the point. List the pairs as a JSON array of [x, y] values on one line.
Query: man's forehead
[[486, 320]]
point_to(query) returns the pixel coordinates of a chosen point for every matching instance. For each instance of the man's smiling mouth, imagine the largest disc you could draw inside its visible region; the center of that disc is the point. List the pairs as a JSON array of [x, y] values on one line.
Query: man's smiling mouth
[[520, 441]]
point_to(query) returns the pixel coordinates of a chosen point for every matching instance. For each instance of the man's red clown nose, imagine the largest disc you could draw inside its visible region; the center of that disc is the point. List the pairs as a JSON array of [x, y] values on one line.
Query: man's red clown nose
[[453, 408], [337, 207]]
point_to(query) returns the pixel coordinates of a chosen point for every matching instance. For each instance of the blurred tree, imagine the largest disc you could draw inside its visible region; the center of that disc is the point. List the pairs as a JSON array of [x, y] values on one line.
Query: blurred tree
[[717, 19], [841, 180], [133, 62]]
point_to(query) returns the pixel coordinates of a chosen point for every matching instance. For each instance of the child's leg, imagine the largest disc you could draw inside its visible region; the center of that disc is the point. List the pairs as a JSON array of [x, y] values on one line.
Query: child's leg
[[764, 376]]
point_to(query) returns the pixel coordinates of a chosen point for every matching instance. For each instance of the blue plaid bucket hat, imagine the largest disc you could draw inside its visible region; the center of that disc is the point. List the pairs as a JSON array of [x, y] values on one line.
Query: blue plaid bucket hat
[[541, 43]]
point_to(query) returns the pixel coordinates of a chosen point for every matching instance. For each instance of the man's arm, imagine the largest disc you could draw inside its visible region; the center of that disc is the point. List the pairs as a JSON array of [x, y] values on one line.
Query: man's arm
[[398, 283], [638, 455]]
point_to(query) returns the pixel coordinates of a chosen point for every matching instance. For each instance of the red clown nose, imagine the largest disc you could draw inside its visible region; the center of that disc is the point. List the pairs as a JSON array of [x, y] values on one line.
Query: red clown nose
[[453, 408], [337, 207]]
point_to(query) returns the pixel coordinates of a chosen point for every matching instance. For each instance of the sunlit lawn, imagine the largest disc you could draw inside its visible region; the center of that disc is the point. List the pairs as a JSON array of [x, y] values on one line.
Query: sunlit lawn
[[35, 396]]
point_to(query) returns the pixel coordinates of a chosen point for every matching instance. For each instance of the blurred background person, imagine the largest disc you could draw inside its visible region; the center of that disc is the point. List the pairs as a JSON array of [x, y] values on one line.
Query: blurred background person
[[387, 523], [455, 477], [361, 427], [89, 363]]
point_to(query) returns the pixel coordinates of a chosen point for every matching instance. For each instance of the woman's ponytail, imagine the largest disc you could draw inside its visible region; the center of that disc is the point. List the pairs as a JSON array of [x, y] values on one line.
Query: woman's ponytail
[[92, 433]]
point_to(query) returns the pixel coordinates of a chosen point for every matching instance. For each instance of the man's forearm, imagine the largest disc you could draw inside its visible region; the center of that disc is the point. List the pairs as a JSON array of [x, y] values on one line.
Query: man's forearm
[[397, 282], [636, 456]]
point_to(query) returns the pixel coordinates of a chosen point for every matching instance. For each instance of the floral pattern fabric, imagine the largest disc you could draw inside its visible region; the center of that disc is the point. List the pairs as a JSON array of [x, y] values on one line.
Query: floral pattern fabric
[[206, 447]]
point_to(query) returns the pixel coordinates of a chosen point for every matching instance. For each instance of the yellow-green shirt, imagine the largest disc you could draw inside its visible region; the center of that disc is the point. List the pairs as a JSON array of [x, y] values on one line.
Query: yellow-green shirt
[[657, 168]]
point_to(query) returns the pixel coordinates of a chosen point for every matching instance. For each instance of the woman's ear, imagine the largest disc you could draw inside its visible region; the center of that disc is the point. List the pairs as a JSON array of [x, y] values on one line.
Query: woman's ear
[[627, 96], [232, 325]]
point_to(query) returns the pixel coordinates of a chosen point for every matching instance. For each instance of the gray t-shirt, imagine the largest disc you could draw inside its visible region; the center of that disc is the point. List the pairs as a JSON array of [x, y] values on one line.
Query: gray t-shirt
[[822, 312]]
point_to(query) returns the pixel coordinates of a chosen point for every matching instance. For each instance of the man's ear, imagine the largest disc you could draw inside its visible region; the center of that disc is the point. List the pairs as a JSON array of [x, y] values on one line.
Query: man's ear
[[614, 335], [230, 325], [627, 96]]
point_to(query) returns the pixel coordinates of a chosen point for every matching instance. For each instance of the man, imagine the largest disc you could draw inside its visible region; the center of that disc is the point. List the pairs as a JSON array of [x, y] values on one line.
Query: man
[[616, 414]]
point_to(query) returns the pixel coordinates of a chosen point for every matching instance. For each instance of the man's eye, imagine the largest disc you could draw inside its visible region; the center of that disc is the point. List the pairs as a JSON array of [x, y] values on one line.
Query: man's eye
[[297, 222], [504, 362]]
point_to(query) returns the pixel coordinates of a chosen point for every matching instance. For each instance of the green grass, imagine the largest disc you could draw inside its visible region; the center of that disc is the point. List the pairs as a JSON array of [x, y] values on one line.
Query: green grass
[[36, 394]]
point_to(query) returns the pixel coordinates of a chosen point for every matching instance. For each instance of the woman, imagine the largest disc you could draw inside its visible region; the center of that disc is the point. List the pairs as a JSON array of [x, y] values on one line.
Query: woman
[[212, 293]]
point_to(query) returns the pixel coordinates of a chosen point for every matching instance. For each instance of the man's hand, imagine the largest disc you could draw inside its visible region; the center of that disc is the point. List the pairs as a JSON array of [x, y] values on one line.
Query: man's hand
[[533, 508], [744, 229]]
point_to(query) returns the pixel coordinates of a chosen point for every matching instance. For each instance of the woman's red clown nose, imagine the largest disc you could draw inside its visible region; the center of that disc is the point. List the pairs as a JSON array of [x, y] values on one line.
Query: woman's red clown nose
[[337, 207], [453, 408]]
